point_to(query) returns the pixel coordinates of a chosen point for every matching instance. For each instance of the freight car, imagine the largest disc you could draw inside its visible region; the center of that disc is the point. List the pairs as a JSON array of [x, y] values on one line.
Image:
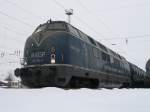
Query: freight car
[[147, 79], [148, 67], [60, 55], [138, 76]]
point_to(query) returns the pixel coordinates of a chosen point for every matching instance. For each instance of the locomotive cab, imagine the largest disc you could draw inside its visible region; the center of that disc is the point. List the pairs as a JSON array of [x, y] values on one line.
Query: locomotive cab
[[47, 44], [51, 54]]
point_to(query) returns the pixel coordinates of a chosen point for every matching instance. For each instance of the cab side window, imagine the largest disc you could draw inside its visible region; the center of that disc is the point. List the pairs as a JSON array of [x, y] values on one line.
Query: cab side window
[[105, 57]]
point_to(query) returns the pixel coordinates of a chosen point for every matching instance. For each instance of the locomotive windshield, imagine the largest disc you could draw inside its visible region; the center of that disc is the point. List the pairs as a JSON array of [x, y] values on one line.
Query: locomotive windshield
[[56, 26], [51, 26], [40, 28]]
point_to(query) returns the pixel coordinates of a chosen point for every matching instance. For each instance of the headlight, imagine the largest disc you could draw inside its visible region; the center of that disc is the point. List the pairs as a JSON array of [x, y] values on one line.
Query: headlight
[[53, 58], [52, 61]]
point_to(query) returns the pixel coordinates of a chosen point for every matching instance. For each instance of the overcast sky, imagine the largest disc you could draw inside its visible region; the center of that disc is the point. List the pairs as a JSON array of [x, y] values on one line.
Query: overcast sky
[[123, 23]]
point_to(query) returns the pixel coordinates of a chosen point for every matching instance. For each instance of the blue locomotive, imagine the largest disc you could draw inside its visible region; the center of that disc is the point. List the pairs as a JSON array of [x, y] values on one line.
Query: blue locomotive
[[60, 55]]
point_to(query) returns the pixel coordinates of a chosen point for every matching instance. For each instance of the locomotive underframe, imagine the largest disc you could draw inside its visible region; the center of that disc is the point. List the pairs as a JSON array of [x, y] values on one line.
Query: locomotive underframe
[[69, 76]]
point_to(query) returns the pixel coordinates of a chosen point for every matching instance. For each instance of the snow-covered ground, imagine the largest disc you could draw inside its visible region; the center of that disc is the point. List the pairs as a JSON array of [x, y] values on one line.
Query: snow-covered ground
[[80, 100], [129, 23]]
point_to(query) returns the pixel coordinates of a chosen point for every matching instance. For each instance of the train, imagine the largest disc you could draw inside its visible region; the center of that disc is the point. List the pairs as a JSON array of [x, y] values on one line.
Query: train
[[147, 67], [57, 54]]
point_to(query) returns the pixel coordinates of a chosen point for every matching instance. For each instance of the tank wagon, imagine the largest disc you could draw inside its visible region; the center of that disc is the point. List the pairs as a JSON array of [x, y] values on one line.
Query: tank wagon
[[148, 67], [59, 55]]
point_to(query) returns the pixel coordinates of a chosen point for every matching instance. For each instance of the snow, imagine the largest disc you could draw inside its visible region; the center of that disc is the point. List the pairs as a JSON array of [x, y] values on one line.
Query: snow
[[125, 23], [78, 100], [8, 64]]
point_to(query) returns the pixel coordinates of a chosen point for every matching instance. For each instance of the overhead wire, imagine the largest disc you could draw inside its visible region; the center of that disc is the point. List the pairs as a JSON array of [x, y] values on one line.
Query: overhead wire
[[10, 29], [79, 19], [23, 9], [27, 24], [127, 37], [15, 19], [15, 32], [124, 7], [7, 28], [98, 18], [59, 4], [13, 27], [83, 22]]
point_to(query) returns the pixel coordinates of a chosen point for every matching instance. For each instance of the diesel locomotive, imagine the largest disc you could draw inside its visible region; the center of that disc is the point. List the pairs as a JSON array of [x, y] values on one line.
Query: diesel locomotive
[[59, 55]]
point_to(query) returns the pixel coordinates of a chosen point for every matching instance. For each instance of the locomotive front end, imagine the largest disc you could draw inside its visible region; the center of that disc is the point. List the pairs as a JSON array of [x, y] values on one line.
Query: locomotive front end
[[44, 53]]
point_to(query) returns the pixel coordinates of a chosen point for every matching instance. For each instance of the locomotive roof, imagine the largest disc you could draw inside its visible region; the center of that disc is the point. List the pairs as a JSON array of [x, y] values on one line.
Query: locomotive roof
[[87, 38], [50, 21]]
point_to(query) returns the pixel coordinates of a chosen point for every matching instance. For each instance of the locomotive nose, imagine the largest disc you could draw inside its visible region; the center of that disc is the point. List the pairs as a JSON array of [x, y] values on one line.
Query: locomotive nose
[[51, 48]]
